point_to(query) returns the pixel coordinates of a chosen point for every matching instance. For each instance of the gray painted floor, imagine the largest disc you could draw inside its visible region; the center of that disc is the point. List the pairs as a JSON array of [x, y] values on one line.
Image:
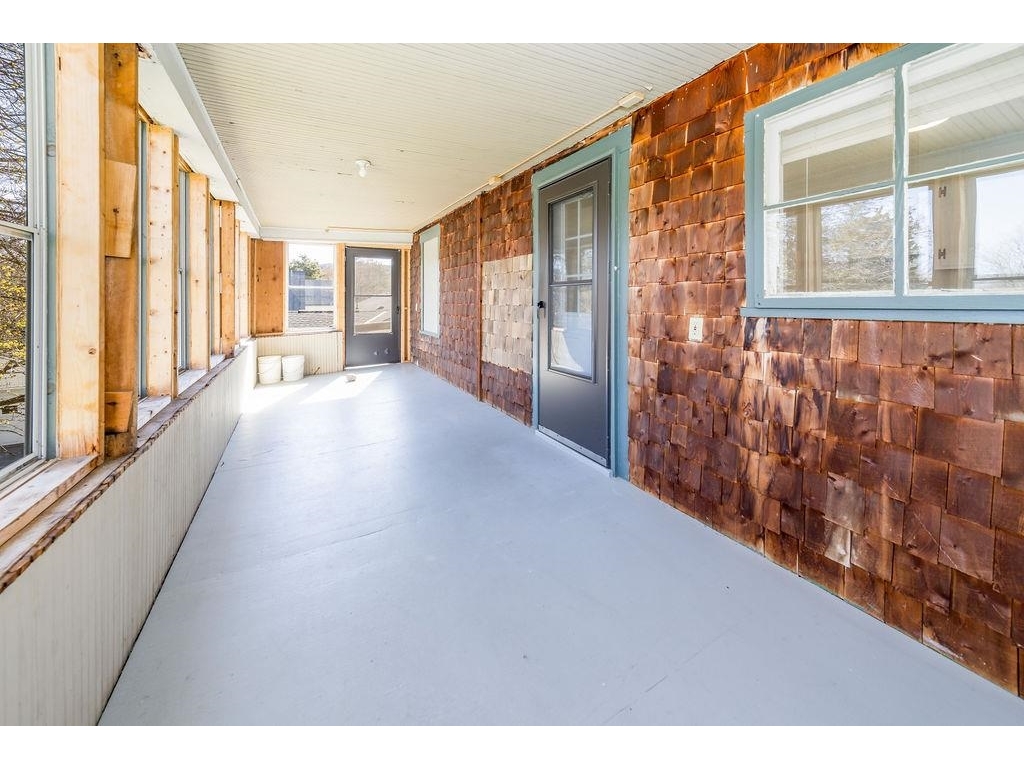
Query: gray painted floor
[[391, 551]]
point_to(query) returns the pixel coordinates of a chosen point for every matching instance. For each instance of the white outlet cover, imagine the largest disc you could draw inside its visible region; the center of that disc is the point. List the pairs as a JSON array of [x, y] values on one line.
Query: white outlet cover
[[696, 329]]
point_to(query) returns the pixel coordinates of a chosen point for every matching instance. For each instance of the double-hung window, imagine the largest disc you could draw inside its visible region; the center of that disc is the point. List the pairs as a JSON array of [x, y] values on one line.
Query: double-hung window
[[22, 257], [184, 273], [893, 190], [430, 279]]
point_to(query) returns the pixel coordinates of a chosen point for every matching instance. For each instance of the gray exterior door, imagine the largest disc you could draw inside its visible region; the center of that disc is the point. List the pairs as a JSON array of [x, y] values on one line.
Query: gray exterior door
[[572, 310], [373, 291]]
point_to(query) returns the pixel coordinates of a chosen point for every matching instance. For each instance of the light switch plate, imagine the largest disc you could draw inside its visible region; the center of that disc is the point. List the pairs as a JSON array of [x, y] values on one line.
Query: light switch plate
[[696, 329]]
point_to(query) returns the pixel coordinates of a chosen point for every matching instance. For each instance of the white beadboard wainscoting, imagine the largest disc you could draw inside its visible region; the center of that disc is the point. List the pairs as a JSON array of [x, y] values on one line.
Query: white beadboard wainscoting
[[68, 621], [324, 351]]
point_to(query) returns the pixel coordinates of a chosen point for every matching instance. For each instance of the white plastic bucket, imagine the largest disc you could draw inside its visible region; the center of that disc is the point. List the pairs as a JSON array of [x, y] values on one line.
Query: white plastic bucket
[[269, 368], [292, 367]]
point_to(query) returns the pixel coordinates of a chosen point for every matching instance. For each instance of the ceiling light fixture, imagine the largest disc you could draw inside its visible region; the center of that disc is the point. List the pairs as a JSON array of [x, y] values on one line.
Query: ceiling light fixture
[[363, 167], [631, 99]]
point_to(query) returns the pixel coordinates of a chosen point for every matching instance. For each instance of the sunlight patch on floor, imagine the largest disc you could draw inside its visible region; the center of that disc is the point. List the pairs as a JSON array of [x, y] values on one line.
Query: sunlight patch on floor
[[267, 395], [345, 386]]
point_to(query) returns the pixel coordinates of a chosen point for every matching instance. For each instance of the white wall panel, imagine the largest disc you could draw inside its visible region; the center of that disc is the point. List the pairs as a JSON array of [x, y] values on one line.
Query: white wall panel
[[325, 353], [68, 622]]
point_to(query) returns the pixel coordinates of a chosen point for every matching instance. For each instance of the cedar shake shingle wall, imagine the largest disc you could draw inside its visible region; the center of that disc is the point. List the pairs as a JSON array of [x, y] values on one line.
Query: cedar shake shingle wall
[[455, 355], [505, 235], [425, 349], [883, 461]]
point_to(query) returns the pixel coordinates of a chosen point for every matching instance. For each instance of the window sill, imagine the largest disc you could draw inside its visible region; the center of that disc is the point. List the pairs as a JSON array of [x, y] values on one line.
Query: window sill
[[150, 406], [188, 378], [23, 502]]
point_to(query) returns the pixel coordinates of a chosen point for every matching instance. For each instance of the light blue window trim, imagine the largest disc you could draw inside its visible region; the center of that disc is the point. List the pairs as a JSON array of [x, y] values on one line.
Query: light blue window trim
[[615, 146], [937, 305], [432, 233]]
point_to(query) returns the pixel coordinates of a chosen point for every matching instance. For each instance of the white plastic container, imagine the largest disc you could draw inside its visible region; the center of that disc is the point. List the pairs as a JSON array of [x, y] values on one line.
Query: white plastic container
[[269, 368], [292, 367]]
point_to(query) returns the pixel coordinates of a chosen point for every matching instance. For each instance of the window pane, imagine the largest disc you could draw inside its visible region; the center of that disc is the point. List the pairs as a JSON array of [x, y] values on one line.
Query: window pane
[[13, 143], [572, 337], [573, 239], [965, 104], [15, 438], [967, 232], [310, 287], [834, 247], [372, 295], [431, 275], [143, 246], [183, 272], [837, 142]]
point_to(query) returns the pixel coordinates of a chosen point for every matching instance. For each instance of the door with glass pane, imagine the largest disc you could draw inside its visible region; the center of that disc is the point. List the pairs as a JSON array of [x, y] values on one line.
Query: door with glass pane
[[372, 306], [572, 310]]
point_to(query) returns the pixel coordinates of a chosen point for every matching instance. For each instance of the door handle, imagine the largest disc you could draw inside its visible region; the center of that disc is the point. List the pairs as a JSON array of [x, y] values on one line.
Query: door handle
[[540, 305]]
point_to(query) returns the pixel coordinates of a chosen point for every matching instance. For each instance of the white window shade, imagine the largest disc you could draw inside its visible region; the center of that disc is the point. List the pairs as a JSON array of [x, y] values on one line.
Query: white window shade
[[840, 141], [965, 105]]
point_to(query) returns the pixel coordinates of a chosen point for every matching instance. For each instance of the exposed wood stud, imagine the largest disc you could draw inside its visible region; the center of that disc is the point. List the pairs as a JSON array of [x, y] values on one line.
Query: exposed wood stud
[[199, 271], [121, 290], [162, 267], [228, 260], [80, 242]]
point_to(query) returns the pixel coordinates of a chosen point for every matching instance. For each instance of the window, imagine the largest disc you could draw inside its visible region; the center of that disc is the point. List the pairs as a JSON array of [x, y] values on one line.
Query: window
[[430, 274], [893, 190], [310, 287], [22, 257], [213, 217], [142, 244], [184, 275]]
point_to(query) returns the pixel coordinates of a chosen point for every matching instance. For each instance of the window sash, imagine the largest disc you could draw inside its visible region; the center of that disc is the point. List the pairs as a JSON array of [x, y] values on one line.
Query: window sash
[[142, 245], [184, 272], [430, 282], [35, 234], [901, 303]]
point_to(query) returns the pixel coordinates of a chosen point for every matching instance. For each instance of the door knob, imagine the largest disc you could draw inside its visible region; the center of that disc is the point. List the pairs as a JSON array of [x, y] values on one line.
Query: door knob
[[540, 305]]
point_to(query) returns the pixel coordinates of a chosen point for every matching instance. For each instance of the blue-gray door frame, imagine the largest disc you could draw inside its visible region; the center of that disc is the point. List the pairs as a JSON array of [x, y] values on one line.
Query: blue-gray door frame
[[615, 146]]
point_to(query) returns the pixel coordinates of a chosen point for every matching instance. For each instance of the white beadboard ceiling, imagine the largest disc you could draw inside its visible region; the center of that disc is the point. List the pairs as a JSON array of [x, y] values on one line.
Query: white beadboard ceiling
[[435, 120]]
